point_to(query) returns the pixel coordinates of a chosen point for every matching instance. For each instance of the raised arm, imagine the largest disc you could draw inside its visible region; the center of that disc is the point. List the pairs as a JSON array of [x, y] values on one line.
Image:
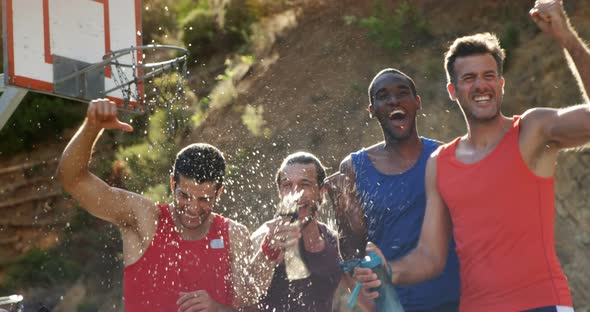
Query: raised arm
[[544, 131], [552, 20], [352, 229], [94, 195], [269, 243], [429, 257]]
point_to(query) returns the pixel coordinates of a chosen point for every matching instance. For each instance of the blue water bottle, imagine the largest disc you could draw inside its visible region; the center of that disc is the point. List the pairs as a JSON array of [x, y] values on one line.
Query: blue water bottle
[[388, 300]]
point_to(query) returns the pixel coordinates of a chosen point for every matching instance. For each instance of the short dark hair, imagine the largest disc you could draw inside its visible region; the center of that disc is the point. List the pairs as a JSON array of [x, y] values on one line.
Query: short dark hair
[[303, 158], [481, 43], [201, 162], [390, 71]]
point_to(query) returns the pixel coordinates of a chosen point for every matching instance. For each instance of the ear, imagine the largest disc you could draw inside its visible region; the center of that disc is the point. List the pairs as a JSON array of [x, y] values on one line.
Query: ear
[[419, 101], [371, 110], [323, 193], [503, 82], [219, 191], [172, 184], [451, 90]]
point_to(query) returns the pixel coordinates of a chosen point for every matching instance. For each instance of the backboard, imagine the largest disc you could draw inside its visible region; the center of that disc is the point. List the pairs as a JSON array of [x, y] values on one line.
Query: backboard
[[46, 42]]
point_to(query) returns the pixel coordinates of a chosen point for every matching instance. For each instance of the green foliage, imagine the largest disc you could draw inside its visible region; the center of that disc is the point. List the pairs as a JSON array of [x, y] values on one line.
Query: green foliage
[[158, 19], [38, 117], [350, 20], [201, 111], [239, 15], [392, 29], [159, 193], [148, 163], [143, 164], [254, 121], [509, 40], [92, 243], [87, 306], [205, 31], [199, 28], [185, 7], [39, 268]]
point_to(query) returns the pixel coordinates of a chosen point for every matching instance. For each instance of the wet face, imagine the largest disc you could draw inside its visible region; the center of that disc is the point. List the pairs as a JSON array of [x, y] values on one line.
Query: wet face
[[395, 106], [479, 88], [297, 178], [193, 202]]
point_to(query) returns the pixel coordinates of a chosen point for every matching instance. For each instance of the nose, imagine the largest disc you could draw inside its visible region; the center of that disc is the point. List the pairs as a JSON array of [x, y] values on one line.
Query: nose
[[479, 84], [393, 100], [193, 206]]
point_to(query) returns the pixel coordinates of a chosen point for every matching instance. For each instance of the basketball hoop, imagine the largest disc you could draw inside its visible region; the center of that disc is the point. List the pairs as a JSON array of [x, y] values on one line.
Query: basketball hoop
[[149, 76], [142, 76]]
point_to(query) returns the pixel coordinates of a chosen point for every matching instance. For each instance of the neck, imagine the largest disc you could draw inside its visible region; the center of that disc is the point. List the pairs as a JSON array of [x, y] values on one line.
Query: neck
[[482, 134], [409, 148], [312, 238]]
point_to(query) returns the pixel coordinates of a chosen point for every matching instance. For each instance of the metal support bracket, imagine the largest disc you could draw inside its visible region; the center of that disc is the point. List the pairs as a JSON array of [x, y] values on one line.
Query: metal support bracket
[[11, 97]]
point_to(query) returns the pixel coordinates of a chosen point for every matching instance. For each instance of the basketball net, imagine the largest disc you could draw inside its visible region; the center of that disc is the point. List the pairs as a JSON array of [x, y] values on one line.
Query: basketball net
[[150, 77]]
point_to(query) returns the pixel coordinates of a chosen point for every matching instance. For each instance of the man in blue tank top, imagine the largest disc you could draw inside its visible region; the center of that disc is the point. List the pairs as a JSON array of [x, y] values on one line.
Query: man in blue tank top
[[389, 181]]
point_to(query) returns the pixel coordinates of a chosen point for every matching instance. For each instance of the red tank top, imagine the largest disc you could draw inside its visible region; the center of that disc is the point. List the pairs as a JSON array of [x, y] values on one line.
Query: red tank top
[[172, 265], [503, 225]]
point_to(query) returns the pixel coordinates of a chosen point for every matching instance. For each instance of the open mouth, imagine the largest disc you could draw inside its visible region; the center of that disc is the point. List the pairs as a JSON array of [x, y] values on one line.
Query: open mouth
[[398, 117], [482, 98], [195, 217]]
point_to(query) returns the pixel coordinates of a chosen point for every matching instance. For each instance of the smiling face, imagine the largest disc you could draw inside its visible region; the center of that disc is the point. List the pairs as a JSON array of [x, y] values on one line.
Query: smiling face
[[193, 202], [301, 178], [479, 88], [395, 106]]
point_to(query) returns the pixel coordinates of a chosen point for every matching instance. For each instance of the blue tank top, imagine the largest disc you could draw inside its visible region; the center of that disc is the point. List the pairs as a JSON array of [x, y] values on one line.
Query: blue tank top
[[394, 208]]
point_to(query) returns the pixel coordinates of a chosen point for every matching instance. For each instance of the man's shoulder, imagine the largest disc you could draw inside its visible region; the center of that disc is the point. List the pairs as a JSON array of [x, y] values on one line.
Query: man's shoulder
[[235, 228], [372, 149], [365, 150], [347, 162], [432, 142]]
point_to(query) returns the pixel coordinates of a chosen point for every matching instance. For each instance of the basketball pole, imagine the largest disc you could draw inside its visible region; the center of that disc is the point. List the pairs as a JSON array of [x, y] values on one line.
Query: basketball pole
[[11, 98]]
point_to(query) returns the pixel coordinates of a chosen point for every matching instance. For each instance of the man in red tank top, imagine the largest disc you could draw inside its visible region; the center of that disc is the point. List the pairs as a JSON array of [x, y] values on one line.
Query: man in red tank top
[[177, 256], [493, 187]]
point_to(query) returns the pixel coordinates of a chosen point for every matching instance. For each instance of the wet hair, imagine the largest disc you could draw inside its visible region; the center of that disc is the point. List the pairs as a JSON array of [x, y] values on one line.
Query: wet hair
[[390, 71], [303, 158], [481, 43], [201, 162]]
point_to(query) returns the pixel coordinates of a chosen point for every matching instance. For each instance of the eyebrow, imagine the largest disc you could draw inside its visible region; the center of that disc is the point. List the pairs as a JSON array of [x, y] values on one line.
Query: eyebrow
[[466, 75], [302, 179], [186, 193], [403, 87]]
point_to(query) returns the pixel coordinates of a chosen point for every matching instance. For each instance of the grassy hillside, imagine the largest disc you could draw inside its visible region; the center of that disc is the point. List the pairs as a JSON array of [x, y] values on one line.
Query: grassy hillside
[[282, 76]]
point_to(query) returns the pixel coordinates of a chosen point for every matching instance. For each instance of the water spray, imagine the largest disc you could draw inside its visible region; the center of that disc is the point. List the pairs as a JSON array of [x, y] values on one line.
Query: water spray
[[294, 265]]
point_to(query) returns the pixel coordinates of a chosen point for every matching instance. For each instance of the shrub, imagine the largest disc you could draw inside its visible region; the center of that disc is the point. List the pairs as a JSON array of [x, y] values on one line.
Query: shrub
[[206, 31], [509, 40], [39, 117], [148, 163], [393, 30], [158, 19], [199, 28], [40, 269]]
